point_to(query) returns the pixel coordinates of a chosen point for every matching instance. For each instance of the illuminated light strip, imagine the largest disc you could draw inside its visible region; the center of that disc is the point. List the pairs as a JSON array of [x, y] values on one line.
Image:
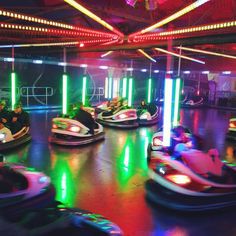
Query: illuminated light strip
[[149, 89], [176, 103], [64, 94], [160, 36], [167, 112], [172, 17], [84, 90], [50, 44], [52, 23], [93, 16], [110, 87], [207, 52], [130, 92], [221, 25], [146, 55], [124, 87], [179, 55], [38, 44], [49, 31], [13, 90], [107, 53], [106, 87]]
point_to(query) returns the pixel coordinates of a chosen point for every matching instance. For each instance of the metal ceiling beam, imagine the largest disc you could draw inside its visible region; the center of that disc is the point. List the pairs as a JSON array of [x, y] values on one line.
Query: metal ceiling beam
[[213, 39]]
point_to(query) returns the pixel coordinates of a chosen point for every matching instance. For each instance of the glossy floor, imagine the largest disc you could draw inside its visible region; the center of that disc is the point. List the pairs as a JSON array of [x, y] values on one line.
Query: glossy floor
[[108, 177]]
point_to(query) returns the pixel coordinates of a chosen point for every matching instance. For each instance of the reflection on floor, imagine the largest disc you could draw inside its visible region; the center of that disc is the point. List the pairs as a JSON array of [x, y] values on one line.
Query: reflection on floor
[[108, 177]]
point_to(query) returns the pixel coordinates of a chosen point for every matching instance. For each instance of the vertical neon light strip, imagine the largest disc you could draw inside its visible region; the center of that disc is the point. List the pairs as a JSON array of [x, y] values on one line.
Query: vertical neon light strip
[[84, 89], [176, 104], [13, 90], [130, 92], [167, 112], [110, 88], [64, 94], [149, 90], [124, 87], [106, 87]]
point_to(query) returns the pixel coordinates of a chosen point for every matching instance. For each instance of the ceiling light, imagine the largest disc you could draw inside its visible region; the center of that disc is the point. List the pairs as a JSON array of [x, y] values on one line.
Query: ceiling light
[[37, 61], [93, 16], [106, 54], [226, 72], [206, 72], [179, 55], [146, 55], [103, 67], [83, 65], [172, 17], [207, 52]]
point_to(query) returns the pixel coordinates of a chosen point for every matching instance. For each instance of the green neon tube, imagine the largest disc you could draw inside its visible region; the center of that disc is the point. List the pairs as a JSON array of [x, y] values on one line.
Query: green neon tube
[[176, 102], [13, 90], [64, 94], [130, 92], [149, 90], [124, 87], [84, 89], [106, 87]]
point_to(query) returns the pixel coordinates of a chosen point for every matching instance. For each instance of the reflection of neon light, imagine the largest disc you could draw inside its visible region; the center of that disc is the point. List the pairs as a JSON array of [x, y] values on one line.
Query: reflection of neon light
[[13, 90], [176, 104], [84, 90], [124, 87], [130, 92], [63, 186], [64, 94], [167, 112], [106, 87], [127, 156], [149, 89], [110, 88]]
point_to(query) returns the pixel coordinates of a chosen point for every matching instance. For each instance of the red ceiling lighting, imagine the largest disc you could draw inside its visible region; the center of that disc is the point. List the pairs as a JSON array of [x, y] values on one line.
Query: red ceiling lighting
[[55, 24], [170, 18], [88, 13], [49, 31], [179, 32]]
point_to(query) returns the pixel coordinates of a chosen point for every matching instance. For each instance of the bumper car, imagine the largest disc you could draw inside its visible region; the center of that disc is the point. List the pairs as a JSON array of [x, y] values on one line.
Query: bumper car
[[70, 132], [126, 118], [21, 137], [187, 179], [231, 134], [22, 189], [90, 110], [28, 207], [193, 103], [57, 219], [104, 106], [148, 116]]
